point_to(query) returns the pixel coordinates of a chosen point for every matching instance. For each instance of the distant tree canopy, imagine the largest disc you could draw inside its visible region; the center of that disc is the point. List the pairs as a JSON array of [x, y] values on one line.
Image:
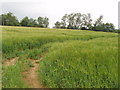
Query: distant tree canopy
[[68, 21], [43, 22], [10, 20], [58, 24], [28, 22], [76, 21], [84, 22], [24, 21]]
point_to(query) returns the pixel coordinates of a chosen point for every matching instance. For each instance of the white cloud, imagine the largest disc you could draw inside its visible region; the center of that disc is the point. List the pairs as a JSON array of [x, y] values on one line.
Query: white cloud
[[55, 9]]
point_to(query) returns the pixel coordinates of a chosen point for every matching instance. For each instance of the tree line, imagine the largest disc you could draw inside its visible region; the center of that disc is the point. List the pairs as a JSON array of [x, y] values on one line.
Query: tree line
[[83, 22], [68, 21], [10, 20]]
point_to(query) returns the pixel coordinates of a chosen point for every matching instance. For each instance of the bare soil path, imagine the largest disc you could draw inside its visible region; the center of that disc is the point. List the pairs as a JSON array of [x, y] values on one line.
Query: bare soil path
[[10, 62], [31, 77]]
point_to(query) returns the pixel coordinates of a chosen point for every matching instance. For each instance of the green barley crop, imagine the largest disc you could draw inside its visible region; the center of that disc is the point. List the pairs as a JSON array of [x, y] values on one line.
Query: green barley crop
[[69, 58]]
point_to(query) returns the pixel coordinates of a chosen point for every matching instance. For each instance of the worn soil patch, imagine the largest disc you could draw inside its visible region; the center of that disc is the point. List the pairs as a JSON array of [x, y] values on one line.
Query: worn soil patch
[[10, 62], [31, 77]]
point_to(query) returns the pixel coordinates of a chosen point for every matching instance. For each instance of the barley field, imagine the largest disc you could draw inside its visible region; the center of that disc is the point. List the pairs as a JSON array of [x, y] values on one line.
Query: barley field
[[58, 58]]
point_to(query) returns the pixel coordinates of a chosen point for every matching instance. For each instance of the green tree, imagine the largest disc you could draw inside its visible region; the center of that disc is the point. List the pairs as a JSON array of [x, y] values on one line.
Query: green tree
[[71, 21], [40, 21], [98, 25], [64, 21], [108, 27], [87, 21], [45, 22], [32, 23], [0, 19], [25, 21], [9, 19], [78, 20], [57, 24]]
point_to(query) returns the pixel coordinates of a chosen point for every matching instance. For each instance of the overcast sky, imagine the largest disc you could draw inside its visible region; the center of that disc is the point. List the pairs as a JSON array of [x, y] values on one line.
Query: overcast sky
[[55, 9]]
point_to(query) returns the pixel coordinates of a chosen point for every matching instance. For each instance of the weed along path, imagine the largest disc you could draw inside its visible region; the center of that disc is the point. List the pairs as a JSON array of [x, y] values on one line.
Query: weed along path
[[31, 76]]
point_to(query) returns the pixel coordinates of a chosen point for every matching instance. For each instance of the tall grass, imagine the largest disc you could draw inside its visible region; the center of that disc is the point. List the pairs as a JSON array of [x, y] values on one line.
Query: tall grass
[[78, 64], [12, 76], [71, 58]]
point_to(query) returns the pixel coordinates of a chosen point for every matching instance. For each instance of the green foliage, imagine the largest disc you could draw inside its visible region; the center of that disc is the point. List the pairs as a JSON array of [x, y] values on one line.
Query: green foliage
[[9, 19], [84, 22], [24, 21], [75, 21], [34, 54], [81, 64], [32, 23], [28, 22], [57, 25], [68, 58], [100, 26], [43, 22], [40, 21], [12, 76], [69, 21], [29, 63]]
